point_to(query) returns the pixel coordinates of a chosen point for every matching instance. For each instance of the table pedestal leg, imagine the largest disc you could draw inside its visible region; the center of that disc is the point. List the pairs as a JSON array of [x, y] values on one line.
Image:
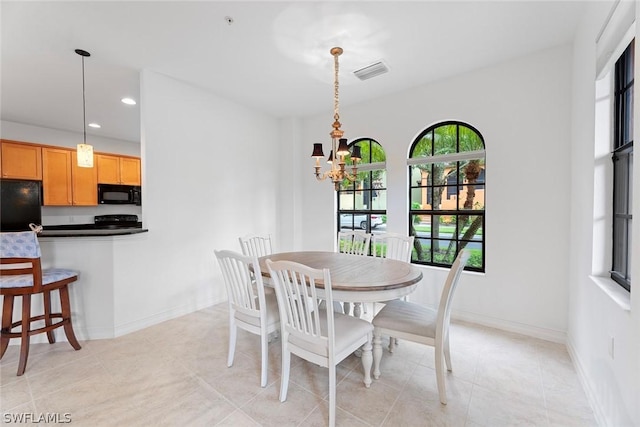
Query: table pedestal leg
[[367, 361], [377, 355], [357, 309], [347, 307]]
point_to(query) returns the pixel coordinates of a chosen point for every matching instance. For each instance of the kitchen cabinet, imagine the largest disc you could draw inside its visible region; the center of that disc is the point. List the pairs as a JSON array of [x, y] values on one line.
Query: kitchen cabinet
[[118, 169], [64, 183], [84, 182], [20, 161]]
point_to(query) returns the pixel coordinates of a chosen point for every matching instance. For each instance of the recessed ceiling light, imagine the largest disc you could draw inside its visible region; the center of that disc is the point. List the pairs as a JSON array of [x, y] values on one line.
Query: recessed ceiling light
[[128, 101], [94, 125]]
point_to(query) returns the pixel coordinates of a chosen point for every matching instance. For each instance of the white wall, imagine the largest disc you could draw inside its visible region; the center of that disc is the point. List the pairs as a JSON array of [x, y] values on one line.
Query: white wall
[[522, 109], [612, 381], [208, 177]]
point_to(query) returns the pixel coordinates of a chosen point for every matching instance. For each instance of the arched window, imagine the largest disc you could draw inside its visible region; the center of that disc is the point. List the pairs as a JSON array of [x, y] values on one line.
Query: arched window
[[362, 204], [446, 195]]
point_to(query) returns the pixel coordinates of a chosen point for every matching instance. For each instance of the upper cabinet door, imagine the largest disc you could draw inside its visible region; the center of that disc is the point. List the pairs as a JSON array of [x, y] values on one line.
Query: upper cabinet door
[[130, 171], [21, 161], [56, 180], [118, 170], [108, 169], [85, 183]]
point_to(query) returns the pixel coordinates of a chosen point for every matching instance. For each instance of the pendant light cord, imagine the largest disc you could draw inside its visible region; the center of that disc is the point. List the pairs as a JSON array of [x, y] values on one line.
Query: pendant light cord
[[83, 53], [84, 107]]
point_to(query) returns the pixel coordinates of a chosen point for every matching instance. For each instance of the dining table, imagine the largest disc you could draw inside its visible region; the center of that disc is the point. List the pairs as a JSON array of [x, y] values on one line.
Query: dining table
[[356, 279]]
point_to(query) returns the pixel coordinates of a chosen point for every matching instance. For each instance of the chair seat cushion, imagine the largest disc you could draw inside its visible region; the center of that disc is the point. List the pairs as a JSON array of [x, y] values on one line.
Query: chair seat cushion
[[408, 317], [273, 315], [49, 276], [348, 330]]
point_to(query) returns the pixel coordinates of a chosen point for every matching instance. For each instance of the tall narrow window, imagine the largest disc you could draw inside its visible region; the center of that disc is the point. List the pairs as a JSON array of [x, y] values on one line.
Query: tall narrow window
[[447, 185], [362, 204], [623, 168]]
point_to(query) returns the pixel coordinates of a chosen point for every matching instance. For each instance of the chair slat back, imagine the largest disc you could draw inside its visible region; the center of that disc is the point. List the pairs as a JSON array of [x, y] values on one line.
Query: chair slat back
[[237, 271], [393, 246], [256, 245], [298, 301], [450, 285], [355, 242]]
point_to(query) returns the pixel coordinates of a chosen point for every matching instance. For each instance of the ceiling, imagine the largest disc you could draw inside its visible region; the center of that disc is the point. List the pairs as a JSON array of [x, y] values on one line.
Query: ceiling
[[274, 56]]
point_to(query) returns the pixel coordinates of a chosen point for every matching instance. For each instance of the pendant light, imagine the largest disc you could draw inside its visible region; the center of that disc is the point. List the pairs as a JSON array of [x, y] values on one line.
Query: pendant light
[[84, 150]]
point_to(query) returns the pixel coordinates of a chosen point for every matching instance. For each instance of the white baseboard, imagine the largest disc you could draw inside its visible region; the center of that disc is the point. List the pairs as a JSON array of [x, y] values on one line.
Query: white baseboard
[[172, 313], [506, 325], [599, 414], [123, 329]]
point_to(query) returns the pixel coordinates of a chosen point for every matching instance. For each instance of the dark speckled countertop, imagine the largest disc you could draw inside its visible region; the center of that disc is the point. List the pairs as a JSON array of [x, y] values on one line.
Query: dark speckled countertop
[[88, 230]]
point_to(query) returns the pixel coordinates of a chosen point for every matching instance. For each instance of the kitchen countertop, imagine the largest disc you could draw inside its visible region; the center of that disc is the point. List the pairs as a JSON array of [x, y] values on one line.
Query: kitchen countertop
[[88, 230]]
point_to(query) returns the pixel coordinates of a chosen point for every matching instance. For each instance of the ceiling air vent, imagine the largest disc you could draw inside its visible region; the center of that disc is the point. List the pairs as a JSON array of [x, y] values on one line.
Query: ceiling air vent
[[372, 70]]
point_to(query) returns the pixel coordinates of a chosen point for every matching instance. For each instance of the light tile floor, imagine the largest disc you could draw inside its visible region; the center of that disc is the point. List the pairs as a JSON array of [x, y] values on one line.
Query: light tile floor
[[175, 374]]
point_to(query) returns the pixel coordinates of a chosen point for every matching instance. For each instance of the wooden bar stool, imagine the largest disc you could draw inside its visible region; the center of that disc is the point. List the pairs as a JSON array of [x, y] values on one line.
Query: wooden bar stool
[[21, 274]]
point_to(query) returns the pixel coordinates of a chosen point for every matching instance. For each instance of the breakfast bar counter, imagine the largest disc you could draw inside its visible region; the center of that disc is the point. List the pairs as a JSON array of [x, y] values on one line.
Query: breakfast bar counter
[[90, 232], [103, 258]]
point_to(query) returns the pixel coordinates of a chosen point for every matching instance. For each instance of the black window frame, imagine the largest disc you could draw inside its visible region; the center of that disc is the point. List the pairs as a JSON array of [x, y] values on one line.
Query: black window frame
[[347, 187], [622, 158]]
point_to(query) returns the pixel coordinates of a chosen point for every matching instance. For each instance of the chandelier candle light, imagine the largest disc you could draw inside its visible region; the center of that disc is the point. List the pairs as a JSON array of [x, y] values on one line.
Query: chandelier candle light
[[339, 146], [84, 150]]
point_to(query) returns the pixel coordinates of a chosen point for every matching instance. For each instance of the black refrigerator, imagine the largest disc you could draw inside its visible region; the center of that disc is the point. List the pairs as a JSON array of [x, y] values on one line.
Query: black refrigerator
[[20, 204]]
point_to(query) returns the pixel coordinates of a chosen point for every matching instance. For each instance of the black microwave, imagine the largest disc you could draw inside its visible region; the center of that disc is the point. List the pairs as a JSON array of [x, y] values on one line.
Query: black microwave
[[112, 194]]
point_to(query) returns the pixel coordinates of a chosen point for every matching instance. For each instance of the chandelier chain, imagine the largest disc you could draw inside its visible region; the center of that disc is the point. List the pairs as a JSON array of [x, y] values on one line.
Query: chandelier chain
[[336, 99]]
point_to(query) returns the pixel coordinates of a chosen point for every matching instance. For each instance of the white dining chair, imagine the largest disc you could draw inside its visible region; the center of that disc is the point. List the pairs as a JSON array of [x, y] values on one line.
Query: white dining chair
[[421, 324], [354, 242], [316, 334], [392, 246], [256, 245], [250, 308]]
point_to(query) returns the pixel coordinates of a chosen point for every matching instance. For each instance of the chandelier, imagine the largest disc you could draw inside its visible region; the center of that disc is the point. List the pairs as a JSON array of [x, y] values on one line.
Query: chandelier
[[339, 148]]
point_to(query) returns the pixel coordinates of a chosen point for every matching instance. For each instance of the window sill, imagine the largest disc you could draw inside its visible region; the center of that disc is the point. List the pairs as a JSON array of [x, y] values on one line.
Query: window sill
[[617, 293]]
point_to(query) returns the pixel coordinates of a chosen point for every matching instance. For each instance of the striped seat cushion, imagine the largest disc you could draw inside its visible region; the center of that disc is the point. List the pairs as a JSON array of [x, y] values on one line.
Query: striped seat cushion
[[49, 276]]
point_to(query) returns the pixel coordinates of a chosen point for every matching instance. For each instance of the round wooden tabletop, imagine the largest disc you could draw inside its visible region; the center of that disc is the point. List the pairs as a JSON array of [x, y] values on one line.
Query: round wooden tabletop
[[357, 278]]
